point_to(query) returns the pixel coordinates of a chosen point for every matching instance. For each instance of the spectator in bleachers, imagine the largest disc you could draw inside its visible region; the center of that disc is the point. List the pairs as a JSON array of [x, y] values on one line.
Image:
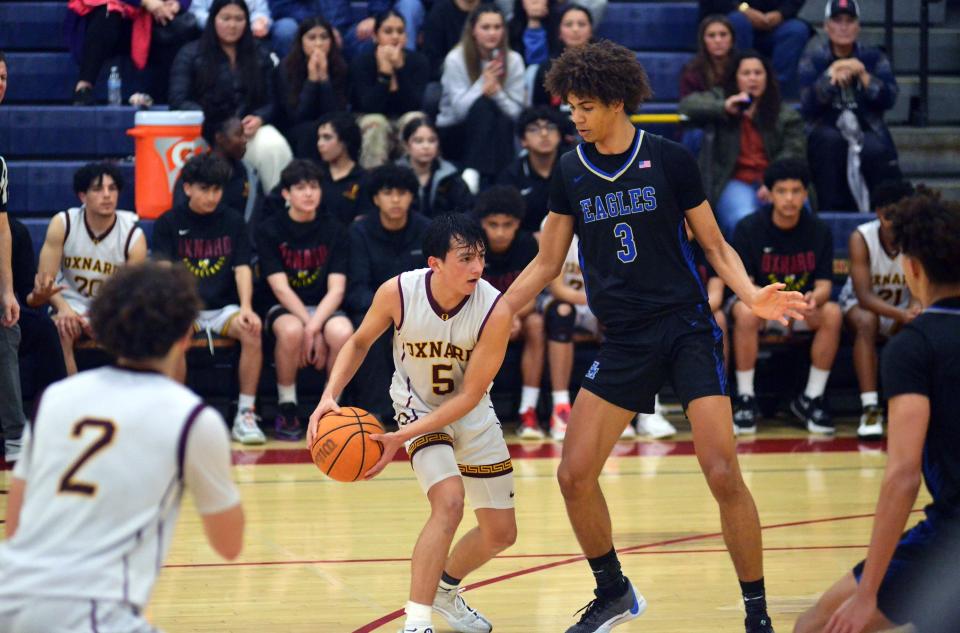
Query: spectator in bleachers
[[388, 84], [845, 89], [533, 32], [715, 49], [150, 31], [531, 172], [222, 129], [875, 300], [304, 258], [784, 243], [748, 127], [483, 93], [338, 144], [389, 79], [289, 15], [260, 20], [312, 81], [500, 210], [596, 7], [574, 28], [360, 38], [442, 30], [212, 242], [227, 60], [84, 246], [771, 27], [441, 189], [383, 244]]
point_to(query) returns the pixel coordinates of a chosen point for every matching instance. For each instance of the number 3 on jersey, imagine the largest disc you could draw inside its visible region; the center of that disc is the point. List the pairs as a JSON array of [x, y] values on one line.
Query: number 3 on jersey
[[628, 252]]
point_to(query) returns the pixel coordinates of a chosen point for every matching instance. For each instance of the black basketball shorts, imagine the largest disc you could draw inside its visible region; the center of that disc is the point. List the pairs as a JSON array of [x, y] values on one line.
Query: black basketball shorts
[[684, 346]]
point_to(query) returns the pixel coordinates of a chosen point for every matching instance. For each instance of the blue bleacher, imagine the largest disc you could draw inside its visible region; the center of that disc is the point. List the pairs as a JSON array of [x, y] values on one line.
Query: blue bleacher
[[32, 25], [666, 26], [45, 187], [663, 70], [44, 131]]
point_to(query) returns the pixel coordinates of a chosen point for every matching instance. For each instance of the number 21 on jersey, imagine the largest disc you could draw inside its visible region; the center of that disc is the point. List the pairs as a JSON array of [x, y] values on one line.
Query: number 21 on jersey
[[628, 248]]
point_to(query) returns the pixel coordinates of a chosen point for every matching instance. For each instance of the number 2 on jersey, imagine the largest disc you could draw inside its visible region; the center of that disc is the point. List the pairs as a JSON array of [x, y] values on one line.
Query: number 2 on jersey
[[628, 252], [106, 429]]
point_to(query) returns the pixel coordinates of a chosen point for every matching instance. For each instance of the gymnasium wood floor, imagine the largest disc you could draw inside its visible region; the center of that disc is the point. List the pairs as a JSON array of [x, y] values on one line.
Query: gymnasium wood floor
[[321, 556]]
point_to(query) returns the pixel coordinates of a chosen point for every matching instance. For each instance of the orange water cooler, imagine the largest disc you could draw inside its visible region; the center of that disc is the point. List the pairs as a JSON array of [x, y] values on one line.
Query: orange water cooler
[[164, 141]]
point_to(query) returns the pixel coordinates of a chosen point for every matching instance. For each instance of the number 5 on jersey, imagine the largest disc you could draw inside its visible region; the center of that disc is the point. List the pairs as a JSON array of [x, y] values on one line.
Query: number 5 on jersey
[[628, 250], [442, 385]]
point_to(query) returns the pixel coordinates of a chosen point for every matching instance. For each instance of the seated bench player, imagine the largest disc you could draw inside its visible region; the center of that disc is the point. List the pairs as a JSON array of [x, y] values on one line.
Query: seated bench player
[[84, 246]]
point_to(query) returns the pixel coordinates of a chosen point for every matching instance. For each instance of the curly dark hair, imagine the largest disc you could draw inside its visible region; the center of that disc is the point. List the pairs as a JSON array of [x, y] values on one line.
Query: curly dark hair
[[786, 169], [768, 108], [143, 309], [602, 70], [206, 169], [295, 64], [505, 199], [92, 174], [889, 192], [928, 229], [392, 176], [453, 230]]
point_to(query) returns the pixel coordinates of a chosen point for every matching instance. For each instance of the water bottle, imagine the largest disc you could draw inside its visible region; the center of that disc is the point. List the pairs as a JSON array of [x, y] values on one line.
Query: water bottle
[[114, 94]]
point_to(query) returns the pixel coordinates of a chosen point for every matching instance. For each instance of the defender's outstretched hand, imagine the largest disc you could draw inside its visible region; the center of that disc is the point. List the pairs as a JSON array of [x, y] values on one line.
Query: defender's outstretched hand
[[773, 303], [391, 444]]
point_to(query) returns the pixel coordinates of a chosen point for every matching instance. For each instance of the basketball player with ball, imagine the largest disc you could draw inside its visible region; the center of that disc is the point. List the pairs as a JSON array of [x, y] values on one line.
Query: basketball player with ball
[[450, 337]]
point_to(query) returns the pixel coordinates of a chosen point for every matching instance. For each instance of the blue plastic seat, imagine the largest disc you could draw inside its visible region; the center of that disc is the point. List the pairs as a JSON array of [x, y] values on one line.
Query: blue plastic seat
[[65, 131], [32, 25], [667, 26], [41, 188]]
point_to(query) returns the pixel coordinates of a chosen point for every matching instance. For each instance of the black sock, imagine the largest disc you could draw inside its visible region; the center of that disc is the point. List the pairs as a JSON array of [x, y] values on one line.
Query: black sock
[[754, 597], [450, 580], [606, 571]]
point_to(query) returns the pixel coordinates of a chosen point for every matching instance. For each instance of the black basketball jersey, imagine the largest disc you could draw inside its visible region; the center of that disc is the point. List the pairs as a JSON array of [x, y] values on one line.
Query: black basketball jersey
[[637, 262], [923, 359]]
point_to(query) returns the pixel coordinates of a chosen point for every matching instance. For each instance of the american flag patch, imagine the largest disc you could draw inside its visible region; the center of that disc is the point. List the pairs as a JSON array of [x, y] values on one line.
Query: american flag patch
[[644, 164]]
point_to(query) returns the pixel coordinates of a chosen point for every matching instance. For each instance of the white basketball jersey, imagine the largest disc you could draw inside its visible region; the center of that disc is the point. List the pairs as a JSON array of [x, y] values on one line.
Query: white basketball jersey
[[572, 275], [104, 469], [431, 348], [886, 273], [88, 259]]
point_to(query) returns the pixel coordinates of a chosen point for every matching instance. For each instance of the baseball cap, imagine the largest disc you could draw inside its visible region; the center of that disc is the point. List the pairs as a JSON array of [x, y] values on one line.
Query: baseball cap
[[836, 7]]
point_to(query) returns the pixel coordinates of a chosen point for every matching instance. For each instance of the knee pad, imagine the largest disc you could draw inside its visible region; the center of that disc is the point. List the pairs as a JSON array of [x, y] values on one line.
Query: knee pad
[[560, 326]]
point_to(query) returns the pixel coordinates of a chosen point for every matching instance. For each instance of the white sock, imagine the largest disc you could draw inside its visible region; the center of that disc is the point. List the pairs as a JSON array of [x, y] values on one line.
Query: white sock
[[528, 398], [287, 393], [445, 586], [745, 382], [816, 382], [869, 399], [656, 405], [246, 401], [418, 615], [561, 397]]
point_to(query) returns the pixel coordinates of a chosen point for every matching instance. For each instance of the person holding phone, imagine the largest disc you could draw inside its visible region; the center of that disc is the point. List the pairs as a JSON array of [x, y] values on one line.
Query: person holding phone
[[749, 127]]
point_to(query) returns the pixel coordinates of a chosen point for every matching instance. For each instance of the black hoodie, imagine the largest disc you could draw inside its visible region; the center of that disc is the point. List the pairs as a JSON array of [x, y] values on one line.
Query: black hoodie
[[377, 254]]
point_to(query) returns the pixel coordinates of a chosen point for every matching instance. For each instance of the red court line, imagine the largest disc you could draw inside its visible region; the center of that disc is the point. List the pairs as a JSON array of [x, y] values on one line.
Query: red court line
[[551, 450], [355, 561], [374, 625]]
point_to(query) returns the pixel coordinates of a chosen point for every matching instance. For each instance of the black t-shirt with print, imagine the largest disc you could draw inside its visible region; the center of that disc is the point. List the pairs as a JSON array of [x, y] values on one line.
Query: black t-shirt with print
[[797, 257], [308, 252], [502, 268], [345, 199], [210, 246]]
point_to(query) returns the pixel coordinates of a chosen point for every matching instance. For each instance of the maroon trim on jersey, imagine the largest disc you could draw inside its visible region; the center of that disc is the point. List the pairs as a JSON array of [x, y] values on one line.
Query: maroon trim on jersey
[[437, 309], [96, 238], [400, 288], [483, 323], [66, 228], [93, 616], [182, 442], [126, 246]]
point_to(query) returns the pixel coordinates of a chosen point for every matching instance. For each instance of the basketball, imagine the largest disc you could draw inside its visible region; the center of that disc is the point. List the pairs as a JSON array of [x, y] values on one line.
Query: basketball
[[342, 448]]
